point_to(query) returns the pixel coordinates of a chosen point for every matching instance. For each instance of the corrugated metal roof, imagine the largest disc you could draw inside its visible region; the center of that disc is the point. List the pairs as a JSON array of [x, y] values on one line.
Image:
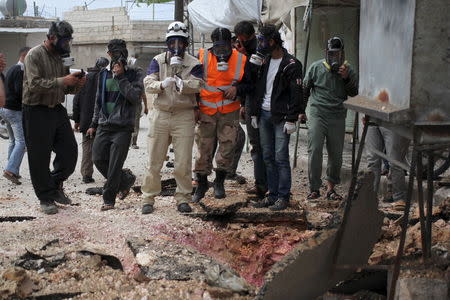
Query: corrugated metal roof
[[22, 30]]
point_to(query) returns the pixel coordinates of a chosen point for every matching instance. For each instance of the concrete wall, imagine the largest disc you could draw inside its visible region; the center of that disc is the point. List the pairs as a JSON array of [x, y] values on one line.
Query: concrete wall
[[329, 22], [12, 42], [94, 28]]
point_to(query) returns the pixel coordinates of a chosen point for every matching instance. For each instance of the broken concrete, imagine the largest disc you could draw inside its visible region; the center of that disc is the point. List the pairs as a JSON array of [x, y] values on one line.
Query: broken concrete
[[226, 206], [308, 272], [421, 289], [161, 258], [16, 283]]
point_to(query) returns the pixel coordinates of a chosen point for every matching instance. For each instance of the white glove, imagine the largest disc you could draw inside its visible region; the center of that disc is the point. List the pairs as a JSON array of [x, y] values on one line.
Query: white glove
[[179, 83], [254, 122], [167, 82], [289, 127]]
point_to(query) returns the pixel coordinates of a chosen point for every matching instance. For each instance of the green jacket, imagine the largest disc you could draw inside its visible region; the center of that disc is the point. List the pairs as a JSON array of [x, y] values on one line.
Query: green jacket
[[328, 90]]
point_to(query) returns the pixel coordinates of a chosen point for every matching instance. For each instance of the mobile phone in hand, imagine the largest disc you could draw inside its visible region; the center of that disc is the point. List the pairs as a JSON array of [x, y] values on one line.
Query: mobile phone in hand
[[81, 74]]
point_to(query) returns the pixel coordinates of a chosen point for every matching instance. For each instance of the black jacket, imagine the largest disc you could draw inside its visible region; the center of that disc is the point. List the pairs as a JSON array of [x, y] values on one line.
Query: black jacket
[[131, 87], [287, 98], [13, 87], [84, 101]]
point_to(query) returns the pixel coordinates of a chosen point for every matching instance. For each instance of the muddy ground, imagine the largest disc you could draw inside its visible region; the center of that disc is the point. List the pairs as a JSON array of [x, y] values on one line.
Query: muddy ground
[[83, 253]]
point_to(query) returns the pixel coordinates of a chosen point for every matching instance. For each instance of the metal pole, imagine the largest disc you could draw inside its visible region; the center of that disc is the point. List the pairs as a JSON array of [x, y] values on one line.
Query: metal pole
[[398, 258], [351, 193], [430, 174], [354, 138], [423, 235], [305, 62], [179, 8]]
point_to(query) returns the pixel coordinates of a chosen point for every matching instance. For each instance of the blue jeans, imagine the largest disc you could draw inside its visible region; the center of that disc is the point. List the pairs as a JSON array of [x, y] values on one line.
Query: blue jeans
[[16, 148], [275, 150]]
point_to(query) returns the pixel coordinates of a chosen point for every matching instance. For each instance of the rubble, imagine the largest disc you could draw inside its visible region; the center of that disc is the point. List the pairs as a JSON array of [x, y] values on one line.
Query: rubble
[[16, 283], [421, 288]]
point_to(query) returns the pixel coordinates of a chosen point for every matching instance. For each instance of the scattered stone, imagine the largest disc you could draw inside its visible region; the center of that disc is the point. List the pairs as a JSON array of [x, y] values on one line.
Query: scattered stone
[[16, 283], [441, 195], [217, 275], [221, 207]]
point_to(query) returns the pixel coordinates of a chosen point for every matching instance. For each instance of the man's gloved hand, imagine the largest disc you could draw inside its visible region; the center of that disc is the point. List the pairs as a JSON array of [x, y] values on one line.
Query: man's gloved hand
[[169, 81], [179, 83], [254, 122], [289, 127]]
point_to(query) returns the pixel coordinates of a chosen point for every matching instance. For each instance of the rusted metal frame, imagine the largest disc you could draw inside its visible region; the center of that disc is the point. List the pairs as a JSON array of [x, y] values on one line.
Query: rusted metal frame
[[354, 138], [305, 62], [429, 201], [396, 271], [423, 235], [399, 164], [351, 193]]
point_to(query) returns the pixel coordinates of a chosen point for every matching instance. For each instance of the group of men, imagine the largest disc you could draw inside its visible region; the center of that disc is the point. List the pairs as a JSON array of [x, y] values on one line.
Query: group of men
[[249, 76]]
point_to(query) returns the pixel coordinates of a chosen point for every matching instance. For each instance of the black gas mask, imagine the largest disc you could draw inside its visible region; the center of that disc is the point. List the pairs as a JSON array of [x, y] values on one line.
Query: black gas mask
[[62, 32], [250, 46], [117, 49], [222, 50], [335, 55], [177, 46], [263, 49]]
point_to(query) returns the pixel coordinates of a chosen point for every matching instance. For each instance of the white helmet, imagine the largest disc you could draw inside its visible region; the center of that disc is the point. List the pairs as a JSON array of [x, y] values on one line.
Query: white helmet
[[177, 29]]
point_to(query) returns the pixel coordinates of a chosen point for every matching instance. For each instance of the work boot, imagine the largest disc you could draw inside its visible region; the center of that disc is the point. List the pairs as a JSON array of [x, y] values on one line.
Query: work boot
[[147, 209], [266, 202], [62, 197], [49, 208], [219, 189], [280, 204], [127, 181], [184, 208], [202, 187], [88, 179]]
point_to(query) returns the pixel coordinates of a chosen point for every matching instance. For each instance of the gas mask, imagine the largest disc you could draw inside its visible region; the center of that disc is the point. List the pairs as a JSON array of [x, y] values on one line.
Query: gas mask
[[222, 50], [263, 49], [62, 45], [334, 54], [250, 45], [118, 56], [176, 46], [335, 59]]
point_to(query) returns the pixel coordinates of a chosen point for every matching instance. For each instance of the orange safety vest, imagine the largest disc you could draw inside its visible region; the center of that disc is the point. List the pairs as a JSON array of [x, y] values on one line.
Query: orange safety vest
[[211, 96]]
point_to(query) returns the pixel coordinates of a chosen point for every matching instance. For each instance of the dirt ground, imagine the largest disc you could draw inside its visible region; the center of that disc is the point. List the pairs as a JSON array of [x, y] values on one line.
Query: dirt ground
[[74, 253]]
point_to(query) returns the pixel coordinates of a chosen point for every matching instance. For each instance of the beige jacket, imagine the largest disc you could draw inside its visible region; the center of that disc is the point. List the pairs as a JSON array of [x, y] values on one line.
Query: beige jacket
[[191, 72]]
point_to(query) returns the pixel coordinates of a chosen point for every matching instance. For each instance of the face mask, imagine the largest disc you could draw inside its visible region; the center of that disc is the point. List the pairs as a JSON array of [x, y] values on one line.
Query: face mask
[[250, 46], [176, 47], [263, 45], [62, 45], [335, 59], [222, 50]]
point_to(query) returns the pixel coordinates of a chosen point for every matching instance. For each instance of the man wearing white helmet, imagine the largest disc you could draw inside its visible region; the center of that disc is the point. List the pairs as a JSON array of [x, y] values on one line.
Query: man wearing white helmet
[[175, 77]]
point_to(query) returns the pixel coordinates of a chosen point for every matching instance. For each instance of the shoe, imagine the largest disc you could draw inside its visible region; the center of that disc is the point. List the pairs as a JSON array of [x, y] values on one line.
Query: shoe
[[88, 179], [62, 197], [11, 177], [95, 190], [147, 209], [106, 207], [388, 198], [184, 208], [170, 164], [219, 189], [280, 204], [128, 179], [238, 178], [49, 208], [202, 188], [252, 190], [134, 146], [266, 202]]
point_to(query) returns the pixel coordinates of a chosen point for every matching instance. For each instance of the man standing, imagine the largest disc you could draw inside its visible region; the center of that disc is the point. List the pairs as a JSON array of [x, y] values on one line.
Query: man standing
[[83, 111], [45, 122], [174, 77], [12, 113], [245, 33], [219, 111], [329, 82], [274, 110], [137, 120], [119, 92]]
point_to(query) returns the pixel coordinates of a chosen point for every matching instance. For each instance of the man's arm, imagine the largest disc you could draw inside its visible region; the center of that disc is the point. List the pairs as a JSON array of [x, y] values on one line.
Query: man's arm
[[98, 101], [194, 82], [308, 84], [246, 86], [351, 82], [132, 91], [152, 82], [2, 92], [293, 73]]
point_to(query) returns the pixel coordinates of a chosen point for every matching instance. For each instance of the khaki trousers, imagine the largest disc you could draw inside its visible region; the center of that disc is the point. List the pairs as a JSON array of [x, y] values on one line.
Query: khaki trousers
[[224, 128], [164, 128]]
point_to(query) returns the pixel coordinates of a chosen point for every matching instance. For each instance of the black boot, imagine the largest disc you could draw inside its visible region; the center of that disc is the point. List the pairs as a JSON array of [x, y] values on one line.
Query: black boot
[[219, 189], [202, 187]]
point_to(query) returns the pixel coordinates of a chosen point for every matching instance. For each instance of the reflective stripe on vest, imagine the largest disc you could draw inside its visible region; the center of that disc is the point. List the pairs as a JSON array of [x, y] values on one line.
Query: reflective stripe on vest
[[212, 97]]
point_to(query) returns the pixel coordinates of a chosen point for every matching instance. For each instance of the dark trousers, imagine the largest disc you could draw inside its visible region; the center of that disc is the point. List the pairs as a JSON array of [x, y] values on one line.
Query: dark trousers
[[87, 166], [109, 152], [259, 167], [48, 129]]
